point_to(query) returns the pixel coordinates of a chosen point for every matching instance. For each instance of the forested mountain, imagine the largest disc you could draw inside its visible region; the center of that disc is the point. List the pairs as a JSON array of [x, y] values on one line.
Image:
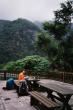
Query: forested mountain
[[16, 39]]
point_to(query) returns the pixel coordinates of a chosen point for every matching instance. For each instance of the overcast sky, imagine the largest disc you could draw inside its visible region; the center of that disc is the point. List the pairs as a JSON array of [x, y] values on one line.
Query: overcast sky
[[29, 9]]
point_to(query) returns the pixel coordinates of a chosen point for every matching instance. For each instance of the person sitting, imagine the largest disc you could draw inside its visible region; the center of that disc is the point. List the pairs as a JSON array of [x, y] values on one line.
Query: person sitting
[[23, 88], [21, 76], [10, 84]]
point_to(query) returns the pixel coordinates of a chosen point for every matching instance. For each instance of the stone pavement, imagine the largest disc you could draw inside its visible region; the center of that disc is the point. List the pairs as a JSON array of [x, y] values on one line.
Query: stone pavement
[[9, 100]]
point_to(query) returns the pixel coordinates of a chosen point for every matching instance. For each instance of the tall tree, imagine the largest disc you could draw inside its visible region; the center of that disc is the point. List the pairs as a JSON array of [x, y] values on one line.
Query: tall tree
[[61, 25]]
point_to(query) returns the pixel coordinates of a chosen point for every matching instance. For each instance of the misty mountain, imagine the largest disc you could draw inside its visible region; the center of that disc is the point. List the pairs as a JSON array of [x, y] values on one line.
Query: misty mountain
[[39, 24], [16, 39]]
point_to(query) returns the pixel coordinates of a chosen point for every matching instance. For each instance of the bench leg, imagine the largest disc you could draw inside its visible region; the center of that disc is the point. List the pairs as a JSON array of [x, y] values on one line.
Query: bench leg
[[33, 101]]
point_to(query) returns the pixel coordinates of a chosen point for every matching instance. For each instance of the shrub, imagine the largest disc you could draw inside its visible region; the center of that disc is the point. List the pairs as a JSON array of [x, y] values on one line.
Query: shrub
[[35, 63]]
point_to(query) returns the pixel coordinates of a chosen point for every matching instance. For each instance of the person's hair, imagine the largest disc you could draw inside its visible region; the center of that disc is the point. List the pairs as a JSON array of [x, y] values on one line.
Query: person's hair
[[24, 71]]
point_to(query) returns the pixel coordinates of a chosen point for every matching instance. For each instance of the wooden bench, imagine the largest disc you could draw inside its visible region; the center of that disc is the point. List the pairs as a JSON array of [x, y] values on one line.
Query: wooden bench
[[38, 98]]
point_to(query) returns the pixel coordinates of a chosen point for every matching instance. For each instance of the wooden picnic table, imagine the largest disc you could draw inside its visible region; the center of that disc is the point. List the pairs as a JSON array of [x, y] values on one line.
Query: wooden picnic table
[[63, 92]]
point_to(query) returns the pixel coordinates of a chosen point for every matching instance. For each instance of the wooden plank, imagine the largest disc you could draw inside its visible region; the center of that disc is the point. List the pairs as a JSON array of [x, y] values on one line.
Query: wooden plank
[[44, 100]]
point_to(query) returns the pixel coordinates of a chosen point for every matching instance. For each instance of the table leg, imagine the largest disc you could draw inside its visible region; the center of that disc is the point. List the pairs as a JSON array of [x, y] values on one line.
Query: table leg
[[49, 92], [65, 100], [68, 98], [66, 107]]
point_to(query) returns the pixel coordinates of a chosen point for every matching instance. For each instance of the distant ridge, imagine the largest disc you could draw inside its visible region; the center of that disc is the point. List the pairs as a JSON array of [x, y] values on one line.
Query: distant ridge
[[39, 24]]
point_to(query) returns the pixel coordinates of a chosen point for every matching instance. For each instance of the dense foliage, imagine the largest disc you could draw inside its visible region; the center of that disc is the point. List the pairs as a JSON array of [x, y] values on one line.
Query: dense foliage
[[62, 32], [34, 63], [16, 39], [47, 43]]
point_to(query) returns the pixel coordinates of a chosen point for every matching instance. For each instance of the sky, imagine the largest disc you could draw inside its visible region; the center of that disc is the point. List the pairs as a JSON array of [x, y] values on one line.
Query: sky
[[34, 10]]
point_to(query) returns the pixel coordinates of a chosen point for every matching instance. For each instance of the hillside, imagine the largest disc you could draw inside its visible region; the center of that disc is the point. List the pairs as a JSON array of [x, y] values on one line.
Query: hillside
[[16, 39]]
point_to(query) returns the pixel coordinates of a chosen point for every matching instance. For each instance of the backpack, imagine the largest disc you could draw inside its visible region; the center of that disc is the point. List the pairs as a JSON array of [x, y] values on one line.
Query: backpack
[[10, 84], [23, 89]]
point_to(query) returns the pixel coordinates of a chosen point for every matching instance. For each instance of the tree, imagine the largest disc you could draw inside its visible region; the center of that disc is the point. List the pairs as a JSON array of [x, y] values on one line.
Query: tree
[[47, 43], [60, 29], [62, 23], [68, 52]]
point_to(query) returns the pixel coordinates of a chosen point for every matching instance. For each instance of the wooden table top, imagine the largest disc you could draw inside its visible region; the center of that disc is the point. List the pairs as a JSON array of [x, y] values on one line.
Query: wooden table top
[[59, 88]]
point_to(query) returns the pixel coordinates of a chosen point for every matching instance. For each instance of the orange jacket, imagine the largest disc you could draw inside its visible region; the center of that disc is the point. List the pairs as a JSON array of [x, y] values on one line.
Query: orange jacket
[[21, 76]]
